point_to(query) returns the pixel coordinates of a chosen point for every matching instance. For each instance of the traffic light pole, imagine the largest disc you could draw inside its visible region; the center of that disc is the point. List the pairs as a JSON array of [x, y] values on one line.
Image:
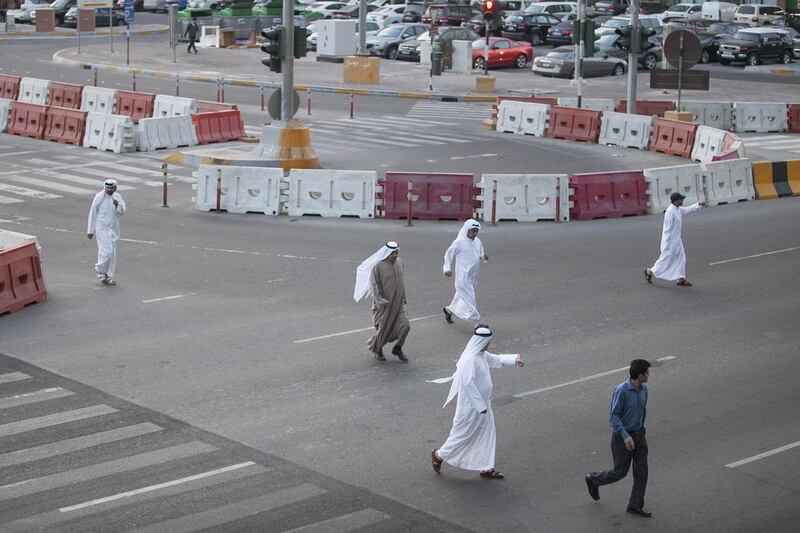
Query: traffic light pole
[[287, 85], [362, 28], [579, 49], [633, 57]]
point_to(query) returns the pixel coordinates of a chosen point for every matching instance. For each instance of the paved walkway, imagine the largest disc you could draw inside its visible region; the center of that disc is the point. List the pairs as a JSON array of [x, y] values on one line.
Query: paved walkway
[[28, 31]]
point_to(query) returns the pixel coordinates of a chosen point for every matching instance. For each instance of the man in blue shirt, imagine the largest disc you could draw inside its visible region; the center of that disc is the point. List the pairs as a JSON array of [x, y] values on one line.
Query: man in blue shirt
[[628, 442]]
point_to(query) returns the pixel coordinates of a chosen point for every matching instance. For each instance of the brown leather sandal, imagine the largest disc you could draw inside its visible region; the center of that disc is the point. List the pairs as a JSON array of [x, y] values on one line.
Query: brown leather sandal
[[436, 463], [684, 283], [493, 474], [648, 276]]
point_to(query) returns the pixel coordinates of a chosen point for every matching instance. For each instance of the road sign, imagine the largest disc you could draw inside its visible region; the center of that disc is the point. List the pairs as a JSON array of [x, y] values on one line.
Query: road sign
[[691, 49], [696, 80], [274, 104], [129, 12], [95, 3]]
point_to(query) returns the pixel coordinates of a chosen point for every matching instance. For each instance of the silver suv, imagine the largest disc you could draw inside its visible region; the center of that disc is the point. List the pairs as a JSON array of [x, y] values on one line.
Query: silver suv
[[759, 15]]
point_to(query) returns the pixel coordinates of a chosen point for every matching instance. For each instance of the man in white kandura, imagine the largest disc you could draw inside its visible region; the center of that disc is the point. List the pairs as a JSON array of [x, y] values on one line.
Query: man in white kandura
[[671, 264], [467, 251], [104, 214], [471, 443]]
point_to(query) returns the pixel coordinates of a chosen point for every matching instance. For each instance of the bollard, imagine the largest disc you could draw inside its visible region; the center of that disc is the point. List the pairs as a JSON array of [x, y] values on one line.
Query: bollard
[[262, 98], [218, 95], [308, 101], [95, 77], [222, 90], [494, 202], [219, 189], [164, 171], [352, 104], [558, 199], [410, 197], [134, 81], [177, 85]]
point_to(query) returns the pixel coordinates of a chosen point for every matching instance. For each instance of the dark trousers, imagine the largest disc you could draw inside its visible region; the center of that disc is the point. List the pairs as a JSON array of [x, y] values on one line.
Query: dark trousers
[[622, 462], [191, 46]]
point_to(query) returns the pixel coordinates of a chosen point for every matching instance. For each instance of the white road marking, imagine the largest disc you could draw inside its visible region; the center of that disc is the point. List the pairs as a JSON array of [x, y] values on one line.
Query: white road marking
[[394, 119], [158, 486], [137, 241], [22, 153], [7, 200], [473, 156], [754, 256], [13, 376], [165, 298], [763, 455], [34, 397], [60, 187], [301, 341], [581, 380], [24, 191]]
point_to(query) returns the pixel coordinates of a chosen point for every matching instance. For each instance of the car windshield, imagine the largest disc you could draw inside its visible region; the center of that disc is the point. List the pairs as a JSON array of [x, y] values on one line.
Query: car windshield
[[746, 36], [718, 28], [561, 55], [747, 10], [617, 23], [680, 8], [533, 8], [391, 31], [606, 41]]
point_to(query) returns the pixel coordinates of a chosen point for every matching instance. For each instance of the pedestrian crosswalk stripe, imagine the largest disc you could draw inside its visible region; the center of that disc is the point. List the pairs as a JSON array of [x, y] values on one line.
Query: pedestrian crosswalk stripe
[[108, 468], [127, 168], [7, 200], [759, 138], [40, 395], [419, 121], [234, 511], [332, 130], [24, 191], [416, 134], [54, 449], [13, 376], [344, 523], [104, 173], [50, 185], [65, 417], [774, 145], [81, 180]]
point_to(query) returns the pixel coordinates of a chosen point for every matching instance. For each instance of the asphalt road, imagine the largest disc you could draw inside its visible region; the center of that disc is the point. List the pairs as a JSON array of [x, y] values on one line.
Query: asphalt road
[[238, 338]]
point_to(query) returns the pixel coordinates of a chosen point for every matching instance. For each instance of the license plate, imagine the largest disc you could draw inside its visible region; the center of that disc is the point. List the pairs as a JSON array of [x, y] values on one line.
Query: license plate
[[545, 64], [727, 54], [512, 28]]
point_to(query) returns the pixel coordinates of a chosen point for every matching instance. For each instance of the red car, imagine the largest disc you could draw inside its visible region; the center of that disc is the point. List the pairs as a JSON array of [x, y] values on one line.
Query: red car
[[502, 53]]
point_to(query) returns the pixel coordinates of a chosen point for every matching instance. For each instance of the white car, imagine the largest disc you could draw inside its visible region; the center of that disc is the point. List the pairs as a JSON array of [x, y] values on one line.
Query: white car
[[326, 9], [387, 15], [609, 27], [759, 15], [23, 14], [311, 40], [685, 11]]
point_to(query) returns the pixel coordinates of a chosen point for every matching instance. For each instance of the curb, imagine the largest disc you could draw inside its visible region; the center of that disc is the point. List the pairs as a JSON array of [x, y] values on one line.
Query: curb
[[57, 58], [194, 160], [98, 33]]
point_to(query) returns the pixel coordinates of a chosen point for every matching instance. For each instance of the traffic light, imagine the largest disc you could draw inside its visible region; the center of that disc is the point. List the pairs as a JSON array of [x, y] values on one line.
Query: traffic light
[[300, 45], [489, 9], [646, 43], [273, 47], [624, 41], [588, 36]]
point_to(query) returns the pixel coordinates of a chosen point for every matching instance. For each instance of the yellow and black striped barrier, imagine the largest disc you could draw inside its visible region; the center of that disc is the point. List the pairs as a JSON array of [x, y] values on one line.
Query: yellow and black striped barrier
[[775, 179]]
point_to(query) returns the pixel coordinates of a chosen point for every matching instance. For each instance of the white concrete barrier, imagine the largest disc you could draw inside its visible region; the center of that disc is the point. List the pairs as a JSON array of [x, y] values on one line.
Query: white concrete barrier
[[509, 117], [165, 132], [622, 129], [243, 189], [663, 181], [525, 197], [170, 106], [728, 182], [596, 104], [98, 100], [5, 111], [462, 56], [33, 91], [113, 133], [760, 118], [332, 193], [713, 114], [708, 142], [533, 119]]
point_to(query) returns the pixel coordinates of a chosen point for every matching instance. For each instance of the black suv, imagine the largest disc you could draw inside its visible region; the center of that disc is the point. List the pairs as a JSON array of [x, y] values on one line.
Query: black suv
[[529, 27], [756, 45]]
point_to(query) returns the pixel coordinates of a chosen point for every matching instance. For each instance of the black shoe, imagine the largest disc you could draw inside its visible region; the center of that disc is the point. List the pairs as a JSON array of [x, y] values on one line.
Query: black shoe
[[398, 351], [640, 512], [379, 355], [448, 316], [594, 491]]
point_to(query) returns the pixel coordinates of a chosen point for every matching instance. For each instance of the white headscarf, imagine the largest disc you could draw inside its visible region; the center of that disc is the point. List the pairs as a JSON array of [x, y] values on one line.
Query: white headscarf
[[477, 343], [468, 225], [365, 269], [110, 182]]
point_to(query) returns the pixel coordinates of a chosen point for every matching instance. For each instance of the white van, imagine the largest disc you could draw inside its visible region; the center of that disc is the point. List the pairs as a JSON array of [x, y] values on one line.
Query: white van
[[721, 11]]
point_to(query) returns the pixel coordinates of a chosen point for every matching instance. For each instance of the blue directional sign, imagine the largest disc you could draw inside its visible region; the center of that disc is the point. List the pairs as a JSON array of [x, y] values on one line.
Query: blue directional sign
[[129, 11]]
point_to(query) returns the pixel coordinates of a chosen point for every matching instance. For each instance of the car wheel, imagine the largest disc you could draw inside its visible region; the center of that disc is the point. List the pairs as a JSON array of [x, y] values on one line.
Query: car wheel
[[650, 61], [752, 59], [521, 61], [536, 38], [619, 70], [571, 74], [724, 61], [391, 52], [478, 63], [787, 57], [705, 57]]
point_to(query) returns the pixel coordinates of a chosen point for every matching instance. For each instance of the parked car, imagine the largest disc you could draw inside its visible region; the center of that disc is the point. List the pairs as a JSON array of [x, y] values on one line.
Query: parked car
[[759, 15], [560, 34], [101, 17], [610, 26], [653, 7], [794, 35], [409, 49], [560, 63], [386, 15], [714, 35], [719, 11], [155, 5], [326, 9], [478, 23], [413, 12], [695, 25], [59, 7], [351, 11], [23, 14], [649, 59], [386, 42], [502, 53], [447, 15], [551, 8], [528, 27], [311, 40], [686, 11], [756, 45], [611, 7]]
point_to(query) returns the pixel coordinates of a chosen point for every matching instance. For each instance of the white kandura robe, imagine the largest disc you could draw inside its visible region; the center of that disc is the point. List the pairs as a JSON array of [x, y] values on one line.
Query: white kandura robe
[[104, 224], [671, 264], [472, 440], [468, 255]]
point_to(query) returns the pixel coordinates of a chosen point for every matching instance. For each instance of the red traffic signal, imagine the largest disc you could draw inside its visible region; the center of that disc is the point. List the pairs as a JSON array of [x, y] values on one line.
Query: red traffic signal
[[488, 5]]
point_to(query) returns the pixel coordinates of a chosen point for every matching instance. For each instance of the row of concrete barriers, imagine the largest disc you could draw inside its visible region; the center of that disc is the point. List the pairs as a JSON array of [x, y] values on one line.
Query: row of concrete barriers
[[457, 196]]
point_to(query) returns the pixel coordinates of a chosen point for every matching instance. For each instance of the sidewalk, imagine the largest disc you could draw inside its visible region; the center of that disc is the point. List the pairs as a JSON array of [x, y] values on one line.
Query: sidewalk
[[398, 78], [29, 31]]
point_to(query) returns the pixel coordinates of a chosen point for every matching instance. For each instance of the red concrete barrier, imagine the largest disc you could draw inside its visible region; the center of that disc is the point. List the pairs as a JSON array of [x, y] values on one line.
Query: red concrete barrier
[[9, 86], [219, 126], [574, 124], [65, 95], [434, 196], [65, 125], [21, 281], [794, 118], [647, 107], [27, 120], [204, 106], [135, 105], [607, 195], [673, 137]]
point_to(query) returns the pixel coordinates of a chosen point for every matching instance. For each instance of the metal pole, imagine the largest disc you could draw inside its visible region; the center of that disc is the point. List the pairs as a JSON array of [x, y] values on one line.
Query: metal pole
[[78, 31], [164, 170], [410, 196], [680, 68], [173, 31], [111, 27], [362, 28], [262, 98], [352, 104], [177, 85], [134, 81], [486, 48], [308, 101], [633, 57], [579, 49], [494, 202], [219, 189], [128, 44], [287, 87], [95, 77], [222, 90]]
